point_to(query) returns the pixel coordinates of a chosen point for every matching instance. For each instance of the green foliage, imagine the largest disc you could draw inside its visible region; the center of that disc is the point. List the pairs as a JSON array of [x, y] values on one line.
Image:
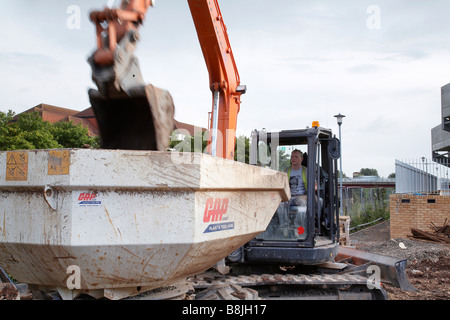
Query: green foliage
[[28, 131], [242, 149], [369, 172], [343, 174], [371, 214], [284, 160], [368, 205], [70, 135], [196, 143], [5, 118], [199, 143]]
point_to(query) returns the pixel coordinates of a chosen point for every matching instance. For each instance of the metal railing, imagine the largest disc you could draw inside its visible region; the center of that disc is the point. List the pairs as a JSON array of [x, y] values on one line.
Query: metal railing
[[358, 201], [422, 176]]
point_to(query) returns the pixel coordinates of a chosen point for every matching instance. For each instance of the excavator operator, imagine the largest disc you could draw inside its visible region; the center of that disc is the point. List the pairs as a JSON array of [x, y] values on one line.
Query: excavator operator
[[297, 179]]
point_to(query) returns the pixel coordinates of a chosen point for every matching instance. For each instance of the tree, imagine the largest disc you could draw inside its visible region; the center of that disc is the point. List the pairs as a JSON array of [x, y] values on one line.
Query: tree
[[343, 174], [199, 143], [369, 172], [196, 143], [242, 149], [70, 135], [5, 118], [284, 160], [29, 131]]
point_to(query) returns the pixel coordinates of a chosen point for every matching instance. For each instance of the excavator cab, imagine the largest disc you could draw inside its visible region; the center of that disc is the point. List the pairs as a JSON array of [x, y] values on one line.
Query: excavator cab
[[306, 235]]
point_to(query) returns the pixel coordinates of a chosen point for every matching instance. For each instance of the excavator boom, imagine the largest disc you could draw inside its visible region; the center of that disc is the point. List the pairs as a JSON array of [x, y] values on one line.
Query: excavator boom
[[223, 75]]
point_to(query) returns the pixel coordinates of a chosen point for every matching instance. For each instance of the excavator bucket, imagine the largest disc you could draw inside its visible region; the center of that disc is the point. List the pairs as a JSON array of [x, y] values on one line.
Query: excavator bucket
[[393, 270], [142, 119]]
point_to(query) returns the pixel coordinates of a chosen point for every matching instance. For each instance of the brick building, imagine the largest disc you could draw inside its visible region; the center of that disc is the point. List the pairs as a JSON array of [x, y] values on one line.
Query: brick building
[[87, 118], [54, 114]]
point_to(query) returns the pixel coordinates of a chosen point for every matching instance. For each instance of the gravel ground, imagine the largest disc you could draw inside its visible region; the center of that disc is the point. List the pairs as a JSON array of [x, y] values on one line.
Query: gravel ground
[[428, 263]]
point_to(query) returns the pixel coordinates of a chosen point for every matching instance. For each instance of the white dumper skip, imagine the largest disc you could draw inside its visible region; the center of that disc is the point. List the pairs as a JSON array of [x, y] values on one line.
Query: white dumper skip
[[122, 220]]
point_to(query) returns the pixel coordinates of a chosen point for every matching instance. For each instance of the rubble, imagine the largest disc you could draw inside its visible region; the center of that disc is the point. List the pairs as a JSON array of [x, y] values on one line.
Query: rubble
[[427, 262]]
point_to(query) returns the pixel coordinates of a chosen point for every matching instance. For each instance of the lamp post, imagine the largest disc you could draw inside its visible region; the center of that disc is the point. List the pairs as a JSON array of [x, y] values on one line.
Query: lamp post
[[339, 122]]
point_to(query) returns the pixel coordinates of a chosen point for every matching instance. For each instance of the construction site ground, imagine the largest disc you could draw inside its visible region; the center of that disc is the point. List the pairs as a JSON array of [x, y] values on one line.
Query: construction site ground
[[428, 263]]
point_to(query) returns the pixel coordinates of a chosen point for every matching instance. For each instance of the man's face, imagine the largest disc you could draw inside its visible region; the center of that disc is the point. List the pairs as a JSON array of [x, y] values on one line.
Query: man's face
[[296, 159]]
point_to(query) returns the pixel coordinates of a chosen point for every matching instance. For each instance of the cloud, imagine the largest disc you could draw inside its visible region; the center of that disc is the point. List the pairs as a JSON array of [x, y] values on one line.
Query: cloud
[[28, 62], [365, 68]]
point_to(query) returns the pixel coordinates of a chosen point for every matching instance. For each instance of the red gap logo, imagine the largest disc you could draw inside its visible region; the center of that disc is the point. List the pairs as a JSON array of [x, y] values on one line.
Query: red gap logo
[[215, 210], [88, 198]]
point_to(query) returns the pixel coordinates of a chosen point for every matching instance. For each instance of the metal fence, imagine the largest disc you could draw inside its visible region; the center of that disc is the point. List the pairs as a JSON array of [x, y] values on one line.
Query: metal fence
[[358, 201], [422, 176]]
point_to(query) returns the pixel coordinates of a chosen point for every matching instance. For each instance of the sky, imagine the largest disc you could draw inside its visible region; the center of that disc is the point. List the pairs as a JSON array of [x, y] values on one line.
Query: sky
[[379, 63]]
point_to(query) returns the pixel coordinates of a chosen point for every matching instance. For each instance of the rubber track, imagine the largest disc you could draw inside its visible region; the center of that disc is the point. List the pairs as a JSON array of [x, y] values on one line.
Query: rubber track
[[206, 281]]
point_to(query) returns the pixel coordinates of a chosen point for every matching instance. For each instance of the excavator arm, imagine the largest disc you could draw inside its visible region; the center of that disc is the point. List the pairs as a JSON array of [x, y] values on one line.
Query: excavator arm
[[115, 68], [223, 76], [120, 21], [123, 96]]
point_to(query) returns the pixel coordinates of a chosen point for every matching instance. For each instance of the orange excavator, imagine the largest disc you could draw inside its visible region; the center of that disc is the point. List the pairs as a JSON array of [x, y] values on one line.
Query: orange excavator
[[138, 116]]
